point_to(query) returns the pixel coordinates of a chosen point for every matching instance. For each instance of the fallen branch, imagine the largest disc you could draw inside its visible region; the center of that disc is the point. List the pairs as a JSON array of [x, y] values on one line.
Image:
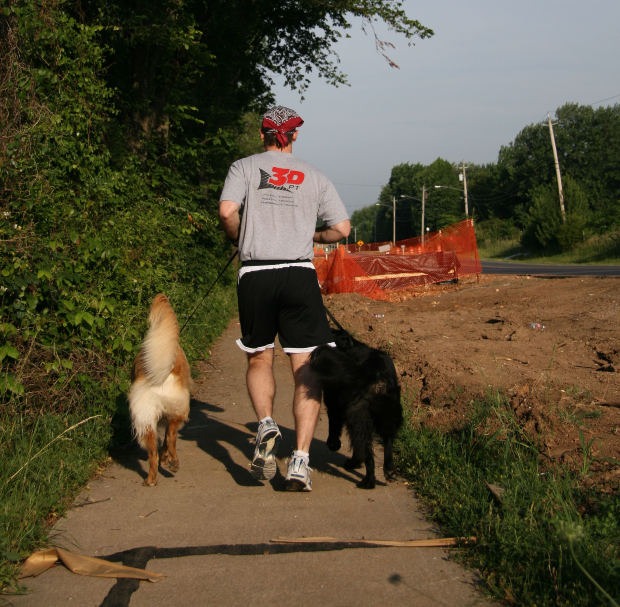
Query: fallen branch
[[423, 543]]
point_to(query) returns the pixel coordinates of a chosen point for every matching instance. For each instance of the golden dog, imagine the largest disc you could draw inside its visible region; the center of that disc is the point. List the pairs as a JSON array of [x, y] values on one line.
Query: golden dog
[[160, 390]]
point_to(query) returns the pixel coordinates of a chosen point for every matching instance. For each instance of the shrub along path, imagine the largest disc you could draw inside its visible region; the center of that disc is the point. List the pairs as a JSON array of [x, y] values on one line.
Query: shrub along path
[[209, 528]]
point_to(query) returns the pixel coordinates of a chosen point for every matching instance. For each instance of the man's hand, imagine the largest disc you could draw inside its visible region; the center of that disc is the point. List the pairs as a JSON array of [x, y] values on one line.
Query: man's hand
[[330, 234]]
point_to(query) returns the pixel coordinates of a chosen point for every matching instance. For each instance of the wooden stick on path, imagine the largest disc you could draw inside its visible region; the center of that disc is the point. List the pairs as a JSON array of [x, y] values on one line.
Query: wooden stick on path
[[423, 543]]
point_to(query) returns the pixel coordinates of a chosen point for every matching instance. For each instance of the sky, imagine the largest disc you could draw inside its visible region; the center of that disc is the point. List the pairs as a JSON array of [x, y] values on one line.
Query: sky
[[491, 69]]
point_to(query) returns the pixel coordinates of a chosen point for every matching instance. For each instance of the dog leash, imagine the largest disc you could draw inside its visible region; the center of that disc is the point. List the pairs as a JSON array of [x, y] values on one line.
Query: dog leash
[[333, 319], [230, 259]]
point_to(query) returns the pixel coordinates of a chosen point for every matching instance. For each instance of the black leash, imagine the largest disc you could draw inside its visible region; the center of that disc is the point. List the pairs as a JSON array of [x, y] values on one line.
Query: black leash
[[333, 319], [210, 288]]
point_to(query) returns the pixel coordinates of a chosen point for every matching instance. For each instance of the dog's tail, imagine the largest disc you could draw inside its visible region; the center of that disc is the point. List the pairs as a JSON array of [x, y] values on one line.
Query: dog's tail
[[159, 349]]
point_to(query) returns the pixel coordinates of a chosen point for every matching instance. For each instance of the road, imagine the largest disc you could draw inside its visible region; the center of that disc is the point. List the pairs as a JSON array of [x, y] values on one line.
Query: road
[[508, 267]]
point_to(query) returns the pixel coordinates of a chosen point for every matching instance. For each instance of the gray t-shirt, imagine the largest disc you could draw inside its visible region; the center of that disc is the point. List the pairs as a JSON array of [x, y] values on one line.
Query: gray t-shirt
[[281, 197]]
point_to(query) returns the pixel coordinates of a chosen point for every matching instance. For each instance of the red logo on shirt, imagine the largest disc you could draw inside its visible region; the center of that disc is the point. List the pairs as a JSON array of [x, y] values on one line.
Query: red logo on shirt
[[281, 179]]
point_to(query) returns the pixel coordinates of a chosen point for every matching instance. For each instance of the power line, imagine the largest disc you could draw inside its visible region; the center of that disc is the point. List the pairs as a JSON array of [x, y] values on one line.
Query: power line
[[606, 99]]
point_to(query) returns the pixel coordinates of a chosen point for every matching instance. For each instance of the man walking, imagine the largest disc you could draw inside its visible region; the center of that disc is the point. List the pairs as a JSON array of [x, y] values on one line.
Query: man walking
[[270, 205]]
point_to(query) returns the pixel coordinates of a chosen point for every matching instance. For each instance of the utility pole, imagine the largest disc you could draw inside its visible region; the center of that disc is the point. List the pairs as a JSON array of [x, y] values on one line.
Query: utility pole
[[393, 221], [557, 169], [422, 224], [463, 178]]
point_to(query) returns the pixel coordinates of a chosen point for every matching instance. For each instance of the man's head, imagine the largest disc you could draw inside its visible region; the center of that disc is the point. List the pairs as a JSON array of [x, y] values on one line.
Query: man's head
[[278, 126]]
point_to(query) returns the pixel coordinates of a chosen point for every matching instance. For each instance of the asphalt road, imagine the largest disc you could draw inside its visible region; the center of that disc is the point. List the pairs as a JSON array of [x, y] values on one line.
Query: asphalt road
[[533, 269]]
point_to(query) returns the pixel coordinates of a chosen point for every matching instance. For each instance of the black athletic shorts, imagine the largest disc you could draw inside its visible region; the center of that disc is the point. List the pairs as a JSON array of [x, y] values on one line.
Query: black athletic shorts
[[279, 298]]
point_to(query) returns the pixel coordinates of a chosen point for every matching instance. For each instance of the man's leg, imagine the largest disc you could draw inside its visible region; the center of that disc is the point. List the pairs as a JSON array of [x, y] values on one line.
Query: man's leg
[[261, 383], [261, 388], [306, 408], [306, 400]]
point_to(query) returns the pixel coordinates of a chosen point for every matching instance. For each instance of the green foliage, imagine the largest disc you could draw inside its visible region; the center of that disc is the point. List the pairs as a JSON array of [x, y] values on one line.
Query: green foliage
[[540, 539], [526, 163], [588, 144], [546, 229], [85, 243], [46, 459], [544, 219], [365, 222], [408, 183], [179, 80], [495, 230], [599, 248]]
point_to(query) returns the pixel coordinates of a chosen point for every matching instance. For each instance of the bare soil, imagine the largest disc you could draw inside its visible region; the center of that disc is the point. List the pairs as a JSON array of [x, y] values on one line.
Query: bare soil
[[551, 346]]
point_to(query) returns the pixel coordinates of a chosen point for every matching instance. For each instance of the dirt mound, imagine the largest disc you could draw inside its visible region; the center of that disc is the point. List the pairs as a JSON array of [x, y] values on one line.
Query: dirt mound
[[551, 346]]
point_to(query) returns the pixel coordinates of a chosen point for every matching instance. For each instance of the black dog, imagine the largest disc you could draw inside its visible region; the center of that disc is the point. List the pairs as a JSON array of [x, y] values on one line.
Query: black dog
[[360, 391]]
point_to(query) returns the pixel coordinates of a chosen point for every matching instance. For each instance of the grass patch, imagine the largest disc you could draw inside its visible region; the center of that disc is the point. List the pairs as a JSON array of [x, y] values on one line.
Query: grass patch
[[55, 435], [541, 539], [601, 249], [45, 459], [501, 249]]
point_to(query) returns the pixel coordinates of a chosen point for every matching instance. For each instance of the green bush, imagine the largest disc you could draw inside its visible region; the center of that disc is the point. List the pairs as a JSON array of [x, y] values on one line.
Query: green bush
[[546, 229], [85, 243]]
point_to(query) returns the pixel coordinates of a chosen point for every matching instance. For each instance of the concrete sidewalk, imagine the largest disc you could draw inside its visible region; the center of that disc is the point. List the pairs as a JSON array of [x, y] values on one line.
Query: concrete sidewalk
[[209, 527]]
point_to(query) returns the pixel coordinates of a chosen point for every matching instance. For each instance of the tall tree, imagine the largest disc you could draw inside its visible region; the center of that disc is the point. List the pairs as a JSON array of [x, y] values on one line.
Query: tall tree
[[364, 224], [408, 185], [188, 70], [588, 146], [589, 149]]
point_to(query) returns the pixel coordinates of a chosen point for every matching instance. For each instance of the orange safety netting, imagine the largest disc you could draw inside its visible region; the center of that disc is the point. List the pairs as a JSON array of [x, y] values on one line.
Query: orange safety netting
[[376, 269]]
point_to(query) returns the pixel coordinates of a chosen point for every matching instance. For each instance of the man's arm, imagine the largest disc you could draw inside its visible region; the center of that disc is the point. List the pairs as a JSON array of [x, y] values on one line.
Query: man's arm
[[333, 233], [230, 219]]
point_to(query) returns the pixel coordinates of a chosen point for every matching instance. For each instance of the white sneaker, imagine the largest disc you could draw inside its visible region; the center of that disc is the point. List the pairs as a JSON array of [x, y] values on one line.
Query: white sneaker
[[298, 474], [264, 466]]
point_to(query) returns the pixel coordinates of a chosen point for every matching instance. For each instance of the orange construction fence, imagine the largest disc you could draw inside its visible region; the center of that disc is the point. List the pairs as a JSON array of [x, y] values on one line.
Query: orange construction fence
[[377, 269]]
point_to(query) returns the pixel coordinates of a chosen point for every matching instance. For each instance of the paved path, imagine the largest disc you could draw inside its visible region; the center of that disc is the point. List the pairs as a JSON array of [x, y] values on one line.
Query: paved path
[[209, 527]]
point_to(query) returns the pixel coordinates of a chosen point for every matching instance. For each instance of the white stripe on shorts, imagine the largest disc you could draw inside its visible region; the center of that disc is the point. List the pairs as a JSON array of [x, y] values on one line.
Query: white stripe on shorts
[[254, 350], [276, 266]]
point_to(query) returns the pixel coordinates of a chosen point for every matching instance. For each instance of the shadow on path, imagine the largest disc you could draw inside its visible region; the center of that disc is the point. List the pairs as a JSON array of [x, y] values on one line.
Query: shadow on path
[[216, 436]]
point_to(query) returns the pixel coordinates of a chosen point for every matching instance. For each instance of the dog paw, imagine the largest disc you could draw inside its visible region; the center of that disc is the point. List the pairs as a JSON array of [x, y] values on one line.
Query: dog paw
[[172, 464], [390, 475], [148, 482], [366, 483]]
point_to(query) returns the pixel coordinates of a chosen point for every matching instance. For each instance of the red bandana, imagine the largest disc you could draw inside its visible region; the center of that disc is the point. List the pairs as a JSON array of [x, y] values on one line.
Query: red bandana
[[281, 121]]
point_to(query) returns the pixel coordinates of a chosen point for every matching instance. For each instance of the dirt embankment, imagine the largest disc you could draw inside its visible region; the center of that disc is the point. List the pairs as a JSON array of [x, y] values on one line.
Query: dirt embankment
[[551, 345]]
